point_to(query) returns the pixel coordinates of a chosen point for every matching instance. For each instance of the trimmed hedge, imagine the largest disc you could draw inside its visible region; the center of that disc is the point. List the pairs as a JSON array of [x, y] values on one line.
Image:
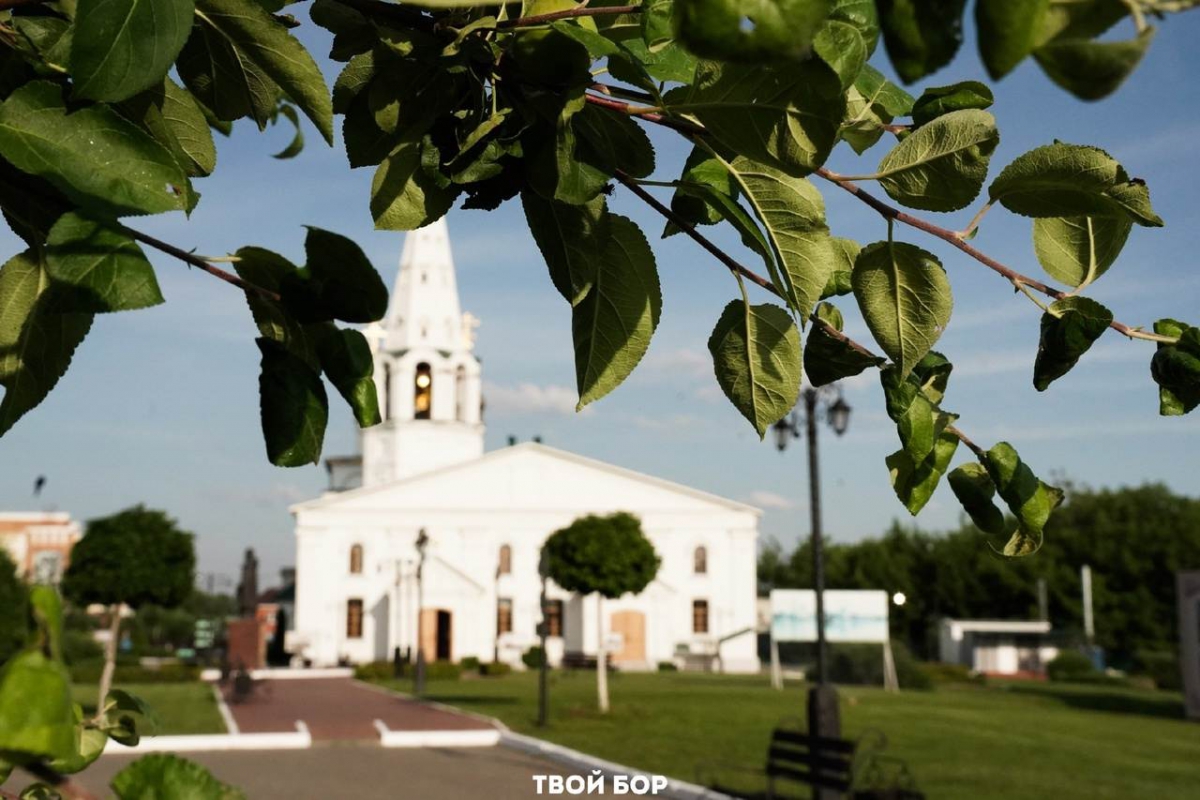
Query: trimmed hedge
[[494, 669], [1071, 665]]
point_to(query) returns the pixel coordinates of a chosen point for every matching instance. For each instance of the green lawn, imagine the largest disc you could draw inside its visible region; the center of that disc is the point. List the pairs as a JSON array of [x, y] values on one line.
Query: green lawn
[[181, 707], [1001, 741]]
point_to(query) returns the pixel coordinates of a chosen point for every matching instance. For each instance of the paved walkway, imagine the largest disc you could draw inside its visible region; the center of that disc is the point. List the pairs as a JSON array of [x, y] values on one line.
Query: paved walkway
[[335, 771], [340, 709]]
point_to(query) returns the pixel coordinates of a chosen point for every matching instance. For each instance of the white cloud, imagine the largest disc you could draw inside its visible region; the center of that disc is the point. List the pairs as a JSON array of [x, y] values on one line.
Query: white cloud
[[530, 398], [683, 360], [764, 499]]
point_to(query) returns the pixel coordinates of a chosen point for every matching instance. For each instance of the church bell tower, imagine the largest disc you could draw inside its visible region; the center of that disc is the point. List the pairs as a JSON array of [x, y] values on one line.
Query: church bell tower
[[426, 372]]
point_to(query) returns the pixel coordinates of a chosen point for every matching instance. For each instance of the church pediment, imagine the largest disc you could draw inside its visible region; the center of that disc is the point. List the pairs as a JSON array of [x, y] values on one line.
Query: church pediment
[[528, 476]]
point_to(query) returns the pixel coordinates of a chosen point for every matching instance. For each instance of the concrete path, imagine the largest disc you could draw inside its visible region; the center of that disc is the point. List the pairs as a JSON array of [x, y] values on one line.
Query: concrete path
[[362, 772], [340, 709]]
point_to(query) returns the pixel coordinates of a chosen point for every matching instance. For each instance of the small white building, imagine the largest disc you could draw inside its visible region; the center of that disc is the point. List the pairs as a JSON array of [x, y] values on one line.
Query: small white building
[[39, 543], [997, 647], [486, 517]]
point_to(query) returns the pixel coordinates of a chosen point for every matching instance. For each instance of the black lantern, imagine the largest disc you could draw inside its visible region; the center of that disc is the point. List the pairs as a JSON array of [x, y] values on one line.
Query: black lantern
[[839, 416]]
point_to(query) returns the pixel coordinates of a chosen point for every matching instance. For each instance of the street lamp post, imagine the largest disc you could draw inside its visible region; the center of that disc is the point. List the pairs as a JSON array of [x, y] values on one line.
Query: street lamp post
[[543, 632], [419, 677], [822, 698]]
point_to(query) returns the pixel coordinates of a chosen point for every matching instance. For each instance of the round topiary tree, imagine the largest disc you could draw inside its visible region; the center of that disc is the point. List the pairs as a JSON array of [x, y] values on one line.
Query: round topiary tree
[[135, 557], [608, 556]]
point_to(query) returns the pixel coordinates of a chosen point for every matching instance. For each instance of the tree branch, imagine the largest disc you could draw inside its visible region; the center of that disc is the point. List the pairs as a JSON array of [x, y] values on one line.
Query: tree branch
[[659, 119], [580, 11], [199, 263], [1017, 279]]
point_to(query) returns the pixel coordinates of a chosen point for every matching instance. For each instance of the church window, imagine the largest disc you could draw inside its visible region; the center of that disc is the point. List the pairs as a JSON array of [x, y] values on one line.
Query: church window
[[460, 393], [504, 613], [354, 619], [387, 391], [505, 566], [423, 392], [700, 561], [699, 616], [356, 554], [554, 617]]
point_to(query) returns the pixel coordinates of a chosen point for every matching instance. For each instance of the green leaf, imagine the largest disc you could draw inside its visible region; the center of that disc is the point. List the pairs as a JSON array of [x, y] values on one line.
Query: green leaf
[[703, 172], [1068, 180], [932, 375], [260, 39], [293, 406], [1007, 32], [1176, 368], [914, 483], [883, 94], [841, 46], [756, 356], [225, 81], [1078, 250], [172, 116], [36, 716], [612, 141], [638, 65], [872, 103], [352, 80], [91, 746], [792, 214], [845, 252], [92, 155], [121, 47], [1092, 70], [1068, 330], [942, 165], [749, 30], [787, 118], [348, 285], [657, 22], [938, 100], [921, 36], [612, 324], [828, 358], [1030, 500], [45, 608], [973, 487], [97, 269], [572, 240], [44, 38], [36, 343], [1079, 19], [160, 776], [905, 299], [408, 95], [862, 15], [296, 145], [366, 143], [919, 421], [403, 196], [347, 362], [272, 271]]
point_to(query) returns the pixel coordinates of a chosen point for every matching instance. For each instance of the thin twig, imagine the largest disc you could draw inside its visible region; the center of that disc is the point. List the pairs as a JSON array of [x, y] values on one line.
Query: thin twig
[[946, 235], [199, 263], [659, 119], [621, 91], [580, 11], [962, 437]]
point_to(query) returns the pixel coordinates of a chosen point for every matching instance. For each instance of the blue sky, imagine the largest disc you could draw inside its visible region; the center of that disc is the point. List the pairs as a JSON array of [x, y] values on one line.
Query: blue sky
[[161, 406]]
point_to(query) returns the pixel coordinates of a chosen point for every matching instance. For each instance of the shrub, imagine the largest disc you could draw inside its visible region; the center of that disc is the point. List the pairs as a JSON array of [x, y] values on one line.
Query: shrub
[[79, 647], [937, 672], [495, 669], [532, 657], [863, 664], [1071, 665], [667, 666], [441, 671], [374, 671], [1161, 666], [89, 672], [470, 664]]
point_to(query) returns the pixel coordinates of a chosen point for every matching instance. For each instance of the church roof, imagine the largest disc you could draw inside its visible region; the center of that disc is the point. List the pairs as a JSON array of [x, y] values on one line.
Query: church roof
[[334, 499], [424, 309]]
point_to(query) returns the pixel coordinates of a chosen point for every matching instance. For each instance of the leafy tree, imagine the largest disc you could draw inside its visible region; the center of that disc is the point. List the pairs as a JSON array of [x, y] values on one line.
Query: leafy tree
[[108, 110], [136, 557], [607, 556], [14, 609]]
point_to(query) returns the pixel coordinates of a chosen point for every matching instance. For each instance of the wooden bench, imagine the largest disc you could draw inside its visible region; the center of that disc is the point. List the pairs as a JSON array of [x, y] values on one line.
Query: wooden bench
[[856, 769]]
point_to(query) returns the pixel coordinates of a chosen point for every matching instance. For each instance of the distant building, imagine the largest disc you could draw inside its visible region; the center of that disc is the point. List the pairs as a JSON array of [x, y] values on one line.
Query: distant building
[[997, 647], [486, 517], [39, 542]]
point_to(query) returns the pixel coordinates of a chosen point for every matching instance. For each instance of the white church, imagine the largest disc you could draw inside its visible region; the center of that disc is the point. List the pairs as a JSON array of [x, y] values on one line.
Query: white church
[[483, 517]]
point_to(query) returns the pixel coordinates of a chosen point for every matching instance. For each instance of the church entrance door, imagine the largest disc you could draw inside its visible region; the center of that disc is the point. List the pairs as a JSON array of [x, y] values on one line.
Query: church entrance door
[[631, 625], [436, 634]]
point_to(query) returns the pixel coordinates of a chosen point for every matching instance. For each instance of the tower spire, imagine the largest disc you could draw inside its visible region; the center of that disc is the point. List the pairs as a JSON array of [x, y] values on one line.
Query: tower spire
[[424, 309]]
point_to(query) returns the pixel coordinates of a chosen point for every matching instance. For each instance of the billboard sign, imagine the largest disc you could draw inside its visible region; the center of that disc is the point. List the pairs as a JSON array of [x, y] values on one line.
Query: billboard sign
[[850, 615]]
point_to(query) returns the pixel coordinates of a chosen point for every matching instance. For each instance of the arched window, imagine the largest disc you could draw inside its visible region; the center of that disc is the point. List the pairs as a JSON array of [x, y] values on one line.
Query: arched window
[[460, 393], [387, 391], [423, 392], [700, 561], [356, 554], [505, 566]]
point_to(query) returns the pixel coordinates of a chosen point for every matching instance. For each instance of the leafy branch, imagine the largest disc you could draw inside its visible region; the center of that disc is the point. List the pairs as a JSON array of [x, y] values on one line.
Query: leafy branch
[[570, 13]]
